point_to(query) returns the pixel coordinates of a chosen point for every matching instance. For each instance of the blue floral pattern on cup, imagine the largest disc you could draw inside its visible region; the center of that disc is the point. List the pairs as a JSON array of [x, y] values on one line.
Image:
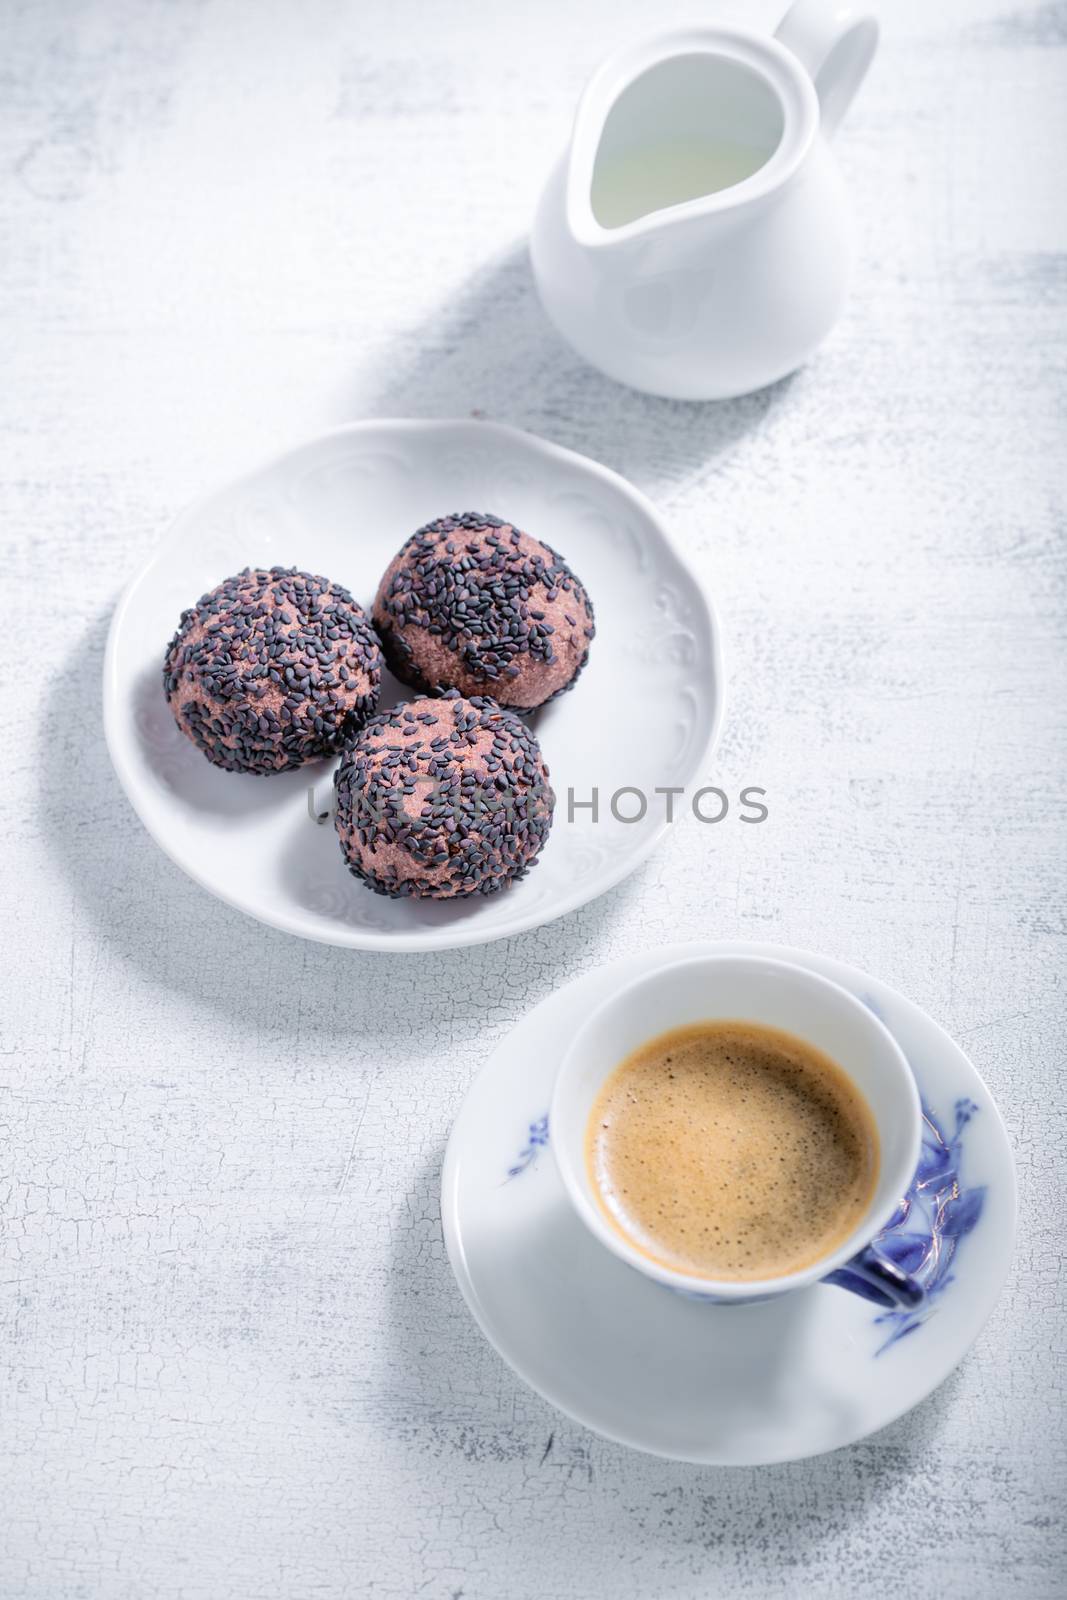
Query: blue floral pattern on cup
[[922, 1237]]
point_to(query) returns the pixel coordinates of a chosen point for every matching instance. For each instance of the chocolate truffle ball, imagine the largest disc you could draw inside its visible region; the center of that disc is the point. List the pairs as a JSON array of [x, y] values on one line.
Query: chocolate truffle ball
[[442, 798], [272, 669], [472, 603]]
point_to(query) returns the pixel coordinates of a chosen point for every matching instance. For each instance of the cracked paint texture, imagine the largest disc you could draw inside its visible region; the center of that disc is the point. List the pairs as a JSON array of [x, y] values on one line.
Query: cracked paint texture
[[233, 1363]]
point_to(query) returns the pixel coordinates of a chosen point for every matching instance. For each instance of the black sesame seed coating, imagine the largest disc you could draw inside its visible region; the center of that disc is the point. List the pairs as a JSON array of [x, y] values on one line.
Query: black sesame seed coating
[[471, 602], [443, 798], [272, 668]]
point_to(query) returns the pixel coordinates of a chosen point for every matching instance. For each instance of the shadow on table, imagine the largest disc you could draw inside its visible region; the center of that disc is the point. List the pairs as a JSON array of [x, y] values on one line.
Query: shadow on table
[[461, 1400], [491, 351], [179, 937]]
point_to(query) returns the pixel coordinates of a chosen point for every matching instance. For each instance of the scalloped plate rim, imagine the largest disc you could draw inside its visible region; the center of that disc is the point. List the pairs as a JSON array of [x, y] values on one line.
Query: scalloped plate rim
[[458, 935]]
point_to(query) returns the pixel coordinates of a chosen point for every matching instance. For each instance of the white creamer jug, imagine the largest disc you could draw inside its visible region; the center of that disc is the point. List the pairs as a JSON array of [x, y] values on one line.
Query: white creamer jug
[[695, 240]]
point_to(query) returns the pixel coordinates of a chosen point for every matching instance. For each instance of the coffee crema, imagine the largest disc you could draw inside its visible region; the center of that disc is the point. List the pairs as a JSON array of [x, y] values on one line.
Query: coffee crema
[[732, 1151]]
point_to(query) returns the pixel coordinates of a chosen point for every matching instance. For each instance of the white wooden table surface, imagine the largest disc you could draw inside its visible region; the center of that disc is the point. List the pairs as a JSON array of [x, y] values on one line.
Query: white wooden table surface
[[233, 1362]]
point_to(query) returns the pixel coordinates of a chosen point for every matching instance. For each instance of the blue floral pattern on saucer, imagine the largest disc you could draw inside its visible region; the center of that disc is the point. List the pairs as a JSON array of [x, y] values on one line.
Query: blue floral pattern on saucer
[[925, 1231], [536, 1139]]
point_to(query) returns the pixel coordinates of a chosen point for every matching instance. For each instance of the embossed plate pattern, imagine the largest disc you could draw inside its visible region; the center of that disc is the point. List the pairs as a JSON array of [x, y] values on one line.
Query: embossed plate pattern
[[646, 711]]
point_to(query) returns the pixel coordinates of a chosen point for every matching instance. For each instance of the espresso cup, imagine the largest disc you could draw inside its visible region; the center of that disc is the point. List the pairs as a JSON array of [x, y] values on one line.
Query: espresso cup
[[772, 994]]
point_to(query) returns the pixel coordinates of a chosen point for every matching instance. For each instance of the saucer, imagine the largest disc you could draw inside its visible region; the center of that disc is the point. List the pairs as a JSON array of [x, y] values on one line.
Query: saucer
[[645, 712], [725, 1385]]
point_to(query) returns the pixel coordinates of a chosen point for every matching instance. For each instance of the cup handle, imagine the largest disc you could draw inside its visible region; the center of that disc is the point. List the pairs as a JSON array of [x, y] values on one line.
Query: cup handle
[[836, 45], [876, 1278]]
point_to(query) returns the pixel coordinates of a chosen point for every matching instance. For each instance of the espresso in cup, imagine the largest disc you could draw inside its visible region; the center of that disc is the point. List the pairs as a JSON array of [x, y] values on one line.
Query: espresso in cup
[[732, 1151]]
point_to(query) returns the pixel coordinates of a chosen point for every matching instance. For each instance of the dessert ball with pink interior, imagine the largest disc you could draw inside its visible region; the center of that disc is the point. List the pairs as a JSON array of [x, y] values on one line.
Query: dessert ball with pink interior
[[472, 603], [441, 798], [272, 668]]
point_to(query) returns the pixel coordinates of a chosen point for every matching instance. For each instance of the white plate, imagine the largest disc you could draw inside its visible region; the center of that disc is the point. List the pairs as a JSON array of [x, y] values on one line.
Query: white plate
[[725, 1385], [645, 712]]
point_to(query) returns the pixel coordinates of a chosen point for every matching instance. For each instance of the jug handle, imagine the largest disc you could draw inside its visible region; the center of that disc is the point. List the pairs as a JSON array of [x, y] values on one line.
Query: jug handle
[[836, 45]]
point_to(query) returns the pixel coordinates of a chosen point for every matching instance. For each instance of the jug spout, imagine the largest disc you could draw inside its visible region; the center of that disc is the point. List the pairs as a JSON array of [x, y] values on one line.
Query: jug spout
[[695, 124]]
